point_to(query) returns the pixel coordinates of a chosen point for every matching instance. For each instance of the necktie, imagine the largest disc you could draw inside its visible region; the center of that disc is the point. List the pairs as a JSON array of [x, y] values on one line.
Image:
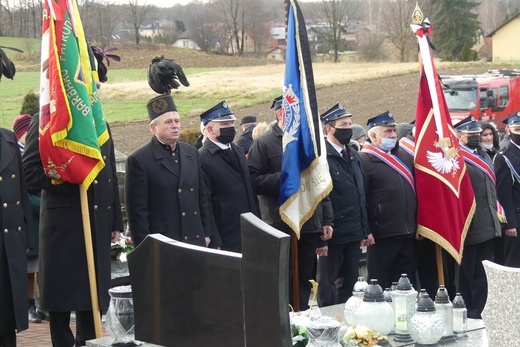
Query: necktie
[[344, 154]]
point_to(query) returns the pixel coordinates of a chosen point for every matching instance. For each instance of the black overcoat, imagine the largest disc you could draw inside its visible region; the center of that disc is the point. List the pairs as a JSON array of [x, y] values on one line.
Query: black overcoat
[[229, 190], [508, 193], [160, 200], [15, 236], [64, 282]]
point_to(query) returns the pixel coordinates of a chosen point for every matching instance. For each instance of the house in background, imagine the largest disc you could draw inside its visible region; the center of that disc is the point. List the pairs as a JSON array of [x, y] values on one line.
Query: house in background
[[185, 40], [277, 53], [505, 47]]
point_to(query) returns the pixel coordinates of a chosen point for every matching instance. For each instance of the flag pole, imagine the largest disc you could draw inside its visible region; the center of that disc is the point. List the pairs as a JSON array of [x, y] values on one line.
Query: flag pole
[[440, 265], [90, 261], [295, 273]]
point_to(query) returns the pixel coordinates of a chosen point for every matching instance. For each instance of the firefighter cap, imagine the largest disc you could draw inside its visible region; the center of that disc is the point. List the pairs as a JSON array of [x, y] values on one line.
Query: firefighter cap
[[513, 120], [277, 103], [385, 119], [218, 113], [335, 112], [468, 125]]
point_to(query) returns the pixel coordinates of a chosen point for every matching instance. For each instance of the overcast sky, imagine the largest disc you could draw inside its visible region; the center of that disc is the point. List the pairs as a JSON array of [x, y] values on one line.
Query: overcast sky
[[170, 3]]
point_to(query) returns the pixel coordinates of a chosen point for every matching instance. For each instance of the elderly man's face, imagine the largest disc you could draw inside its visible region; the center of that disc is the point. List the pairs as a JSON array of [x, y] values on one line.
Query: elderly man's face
[[384, 132], [167, 127]]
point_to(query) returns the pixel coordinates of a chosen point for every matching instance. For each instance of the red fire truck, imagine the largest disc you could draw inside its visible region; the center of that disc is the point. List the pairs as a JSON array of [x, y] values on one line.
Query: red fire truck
[[490, 97]]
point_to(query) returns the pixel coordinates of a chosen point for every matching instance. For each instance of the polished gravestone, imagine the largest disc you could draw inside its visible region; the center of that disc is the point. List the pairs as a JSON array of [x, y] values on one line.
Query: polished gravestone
[[265, 277], [193, 296]]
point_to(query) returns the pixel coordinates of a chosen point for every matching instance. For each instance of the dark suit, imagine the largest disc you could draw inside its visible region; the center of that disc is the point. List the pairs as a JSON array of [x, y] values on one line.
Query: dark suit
[[15, 239], [165, 194], [508, 192], [64, 282], [229, 189]]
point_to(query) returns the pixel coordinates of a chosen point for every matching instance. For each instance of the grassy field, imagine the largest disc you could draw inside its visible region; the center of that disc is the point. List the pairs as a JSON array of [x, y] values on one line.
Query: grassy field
[[125, 94]]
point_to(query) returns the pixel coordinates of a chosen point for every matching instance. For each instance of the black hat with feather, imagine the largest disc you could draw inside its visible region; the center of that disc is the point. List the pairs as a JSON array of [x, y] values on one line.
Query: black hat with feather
[[7, 68]]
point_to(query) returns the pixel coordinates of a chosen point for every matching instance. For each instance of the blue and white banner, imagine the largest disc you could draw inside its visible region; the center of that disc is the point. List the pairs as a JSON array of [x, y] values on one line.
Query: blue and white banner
[[305, 178]]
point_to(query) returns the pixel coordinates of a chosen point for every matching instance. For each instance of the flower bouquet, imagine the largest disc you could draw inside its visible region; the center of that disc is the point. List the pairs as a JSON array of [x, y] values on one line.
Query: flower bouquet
[[360, 336], [120, 248]]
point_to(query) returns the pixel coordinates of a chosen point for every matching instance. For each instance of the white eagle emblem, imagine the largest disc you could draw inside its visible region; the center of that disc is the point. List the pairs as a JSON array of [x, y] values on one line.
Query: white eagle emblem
[[446, 161], [291, 104]]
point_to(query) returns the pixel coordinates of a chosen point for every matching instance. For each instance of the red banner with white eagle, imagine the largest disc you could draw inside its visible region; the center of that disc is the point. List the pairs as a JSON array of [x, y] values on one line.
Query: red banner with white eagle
[[446, 202]]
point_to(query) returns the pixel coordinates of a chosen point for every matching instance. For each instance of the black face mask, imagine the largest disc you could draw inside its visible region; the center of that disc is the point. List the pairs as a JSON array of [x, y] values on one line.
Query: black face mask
[[473, 142], [515, 138], [227, 135], [343, 135]]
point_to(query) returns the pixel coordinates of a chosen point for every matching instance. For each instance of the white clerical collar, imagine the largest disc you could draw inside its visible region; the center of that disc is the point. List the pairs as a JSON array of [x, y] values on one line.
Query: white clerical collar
[[336, 147], [221, 145]]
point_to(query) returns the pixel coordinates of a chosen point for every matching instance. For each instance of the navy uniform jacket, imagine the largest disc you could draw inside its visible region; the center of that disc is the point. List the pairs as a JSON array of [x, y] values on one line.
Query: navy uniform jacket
[[64, 279], [15, 236], [391, 201], [161, 198], [347, 196], [229, 191], [508, 192]]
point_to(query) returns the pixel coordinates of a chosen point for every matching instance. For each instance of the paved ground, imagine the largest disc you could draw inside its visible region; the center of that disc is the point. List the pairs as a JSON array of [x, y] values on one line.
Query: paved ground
[[38, 335]]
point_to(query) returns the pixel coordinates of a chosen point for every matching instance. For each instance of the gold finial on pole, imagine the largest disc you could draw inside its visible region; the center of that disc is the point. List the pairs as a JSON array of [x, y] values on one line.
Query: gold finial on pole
[[417, 15]]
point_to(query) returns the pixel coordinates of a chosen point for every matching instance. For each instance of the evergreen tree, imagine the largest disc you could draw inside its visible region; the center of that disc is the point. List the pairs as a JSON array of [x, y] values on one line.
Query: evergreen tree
[[455, 26], [465, 54], [30, 103]]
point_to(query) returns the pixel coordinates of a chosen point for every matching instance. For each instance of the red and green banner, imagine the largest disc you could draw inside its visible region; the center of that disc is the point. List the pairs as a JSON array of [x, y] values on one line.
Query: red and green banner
[[72, 124]]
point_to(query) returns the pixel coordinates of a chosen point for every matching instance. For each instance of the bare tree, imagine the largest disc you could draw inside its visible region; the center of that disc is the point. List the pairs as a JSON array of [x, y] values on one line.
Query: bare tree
[[490, 15], [199, 24], [138, 14], [106, 16], [257, 18], [333, 17], [232, 13], [396, 21]]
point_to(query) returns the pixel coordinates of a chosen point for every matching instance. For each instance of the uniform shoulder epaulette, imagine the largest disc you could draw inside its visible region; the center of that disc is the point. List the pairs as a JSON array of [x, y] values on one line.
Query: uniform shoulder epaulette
[[503, 150]]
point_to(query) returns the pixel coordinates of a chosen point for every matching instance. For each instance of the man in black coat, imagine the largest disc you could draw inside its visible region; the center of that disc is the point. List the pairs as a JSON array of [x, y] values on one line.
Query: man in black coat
[[338, 272], [265, 165], [164, 186], [391, 203], [248, 124], [64, 281], [470, 277], [15, 239], [226, 175], [507, 164]]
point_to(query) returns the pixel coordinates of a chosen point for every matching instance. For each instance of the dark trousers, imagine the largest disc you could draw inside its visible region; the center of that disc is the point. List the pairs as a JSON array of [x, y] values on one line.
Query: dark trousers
[[337, 273], [471, 278], [62, 335], [8, 339], [427, 266], [307, 258], [512, 251], [390, 257]]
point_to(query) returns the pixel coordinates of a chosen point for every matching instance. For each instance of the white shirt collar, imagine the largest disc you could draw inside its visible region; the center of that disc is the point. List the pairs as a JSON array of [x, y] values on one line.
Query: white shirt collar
[[336, 147], [221, 145]]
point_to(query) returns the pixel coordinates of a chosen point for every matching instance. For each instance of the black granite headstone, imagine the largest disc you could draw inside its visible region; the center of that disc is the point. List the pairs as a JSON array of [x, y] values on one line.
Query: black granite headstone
[[186, 295], [265, 278], [192, 296]]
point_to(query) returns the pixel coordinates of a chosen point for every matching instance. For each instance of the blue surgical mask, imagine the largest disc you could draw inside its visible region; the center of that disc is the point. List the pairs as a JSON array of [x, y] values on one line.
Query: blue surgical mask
[[387, 144]]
